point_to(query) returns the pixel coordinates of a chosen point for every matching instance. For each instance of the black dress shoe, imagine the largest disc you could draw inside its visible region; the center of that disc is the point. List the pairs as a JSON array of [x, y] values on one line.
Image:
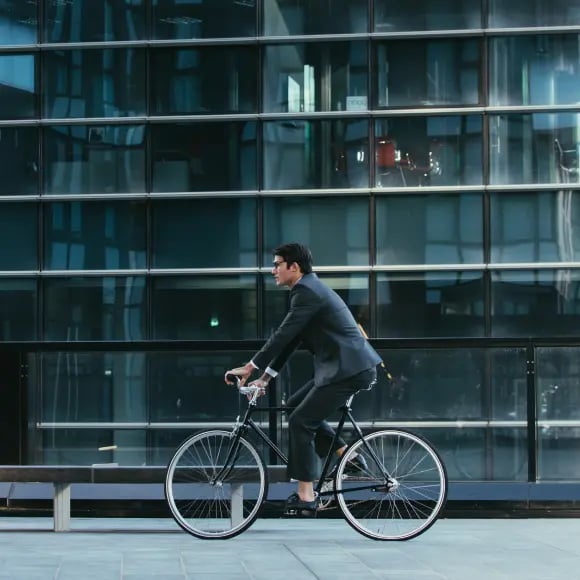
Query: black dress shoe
[[355, 467], [298, 507]]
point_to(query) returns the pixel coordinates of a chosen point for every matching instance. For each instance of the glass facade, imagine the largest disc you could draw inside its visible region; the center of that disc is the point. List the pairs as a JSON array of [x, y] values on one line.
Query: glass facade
[[155, 151]]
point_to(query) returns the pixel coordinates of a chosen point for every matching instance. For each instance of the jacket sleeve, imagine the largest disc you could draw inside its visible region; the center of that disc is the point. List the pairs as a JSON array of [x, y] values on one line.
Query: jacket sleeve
[[304, 304]]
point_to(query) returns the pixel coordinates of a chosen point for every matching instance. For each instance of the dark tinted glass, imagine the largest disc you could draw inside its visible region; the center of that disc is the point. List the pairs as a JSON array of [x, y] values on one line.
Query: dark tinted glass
[[19, 155], [519, 13], [535, 227], [18, 303], [18, 22], [314, 221], [110, 308], [422, 151], [535, 303], [426, 304], [312, 154], [283, 18], [394, 16], [427, 72], [94, 159], [429, 229], [18, 236], [204, 80], [17, 86], [82, 21], [204, 308], [203, 18], [316, 77], [204, 156], [558, 454], [94, 83], [204, 233], [94, 235]]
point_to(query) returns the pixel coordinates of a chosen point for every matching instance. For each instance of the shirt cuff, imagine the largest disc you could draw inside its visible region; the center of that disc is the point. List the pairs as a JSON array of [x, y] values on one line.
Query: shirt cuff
[[254, 364], [271, 372]]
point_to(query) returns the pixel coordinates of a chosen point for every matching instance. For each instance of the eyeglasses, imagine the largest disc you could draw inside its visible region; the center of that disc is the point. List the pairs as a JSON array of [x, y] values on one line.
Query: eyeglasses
[[276, 265]]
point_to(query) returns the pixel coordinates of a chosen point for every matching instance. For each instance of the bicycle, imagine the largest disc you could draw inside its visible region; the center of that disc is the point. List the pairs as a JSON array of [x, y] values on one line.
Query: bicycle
[[217, 481]]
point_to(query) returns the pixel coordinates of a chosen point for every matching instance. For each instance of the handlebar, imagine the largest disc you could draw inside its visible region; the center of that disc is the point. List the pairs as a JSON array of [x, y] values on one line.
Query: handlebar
[[243, 389]]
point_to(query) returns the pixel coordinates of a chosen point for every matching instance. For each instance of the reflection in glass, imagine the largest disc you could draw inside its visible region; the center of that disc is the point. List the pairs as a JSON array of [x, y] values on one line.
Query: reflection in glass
[[395, 16], [430, 304], [19, 166], [204, 308], [206, 156], [18, 236], [423, 151], [534, 70], [17, 86], [94, 236], [94, 308], [203, 80], [315, 77], [313, 154], [535, 303], [427, 72], [534, 148], [94, 159], [539, 226], [282, 18], [176, 19], [82, 21], [429, 229], [18, 303], [94, 83], [527, 13], [313, 221], [508, 383], [204, 233], [559, 453], [18, 22]]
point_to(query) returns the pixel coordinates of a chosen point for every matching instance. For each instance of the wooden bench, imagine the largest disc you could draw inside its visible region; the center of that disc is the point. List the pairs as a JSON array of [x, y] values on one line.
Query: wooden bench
[[63, 476]]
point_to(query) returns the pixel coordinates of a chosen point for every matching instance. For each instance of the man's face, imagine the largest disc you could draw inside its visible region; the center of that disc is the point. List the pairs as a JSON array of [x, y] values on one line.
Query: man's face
[[285, 274]]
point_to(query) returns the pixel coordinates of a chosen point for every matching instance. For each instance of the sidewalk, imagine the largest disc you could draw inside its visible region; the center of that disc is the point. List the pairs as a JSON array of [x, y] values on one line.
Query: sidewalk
[[147, 549]]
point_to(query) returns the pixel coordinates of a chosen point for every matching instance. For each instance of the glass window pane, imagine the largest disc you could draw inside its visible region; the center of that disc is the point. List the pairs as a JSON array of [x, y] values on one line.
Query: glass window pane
[[18, 303], [18, 236], [313, 154], [315, 77], [534, 70], [430, 304], [314, 221], [82, 21], [509, 391], [559, 454], [19, 167], [427, 72], [395, 16], [94, 83], [204, 80], [429, 229], [204, 233], [204, 308], [283, 18], [18, 22], [206, 156], [535, 303], [94, 308], [176, 19], [17, 86], [534, 148], [94, 235], [526, 13], [94, 159], [422, 151], [535, 227]]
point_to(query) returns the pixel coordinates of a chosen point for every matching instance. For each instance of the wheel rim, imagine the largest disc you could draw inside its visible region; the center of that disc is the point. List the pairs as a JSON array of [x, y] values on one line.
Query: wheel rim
[[408, 503], [211, 508]]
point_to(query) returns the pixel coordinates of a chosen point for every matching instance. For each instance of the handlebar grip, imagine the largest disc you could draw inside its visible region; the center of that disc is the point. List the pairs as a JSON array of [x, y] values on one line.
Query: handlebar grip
[[233, 378]]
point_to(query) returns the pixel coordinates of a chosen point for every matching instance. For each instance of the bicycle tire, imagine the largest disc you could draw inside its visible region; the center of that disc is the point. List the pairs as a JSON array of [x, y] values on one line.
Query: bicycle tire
[[406, 507], [210, 509]]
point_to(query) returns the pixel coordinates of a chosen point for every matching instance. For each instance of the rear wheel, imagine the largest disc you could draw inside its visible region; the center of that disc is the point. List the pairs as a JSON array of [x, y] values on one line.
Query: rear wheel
[[215, 485]]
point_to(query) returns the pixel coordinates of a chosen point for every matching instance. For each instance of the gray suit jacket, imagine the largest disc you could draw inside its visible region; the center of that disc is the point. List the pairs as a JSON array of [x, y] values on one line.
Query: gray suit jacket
[[319, 321]]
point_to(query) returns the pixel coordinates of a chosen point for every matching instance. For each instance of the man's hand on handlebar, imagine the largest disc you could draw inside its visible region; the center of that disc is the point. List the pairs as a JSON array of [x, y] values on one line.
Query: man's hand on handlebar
[[242, 372]]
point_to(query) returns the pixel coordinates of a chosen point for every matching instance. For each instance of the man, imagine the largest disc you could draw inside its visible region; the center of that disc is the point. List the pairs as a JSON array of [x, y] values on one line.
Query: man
[[344, 363]]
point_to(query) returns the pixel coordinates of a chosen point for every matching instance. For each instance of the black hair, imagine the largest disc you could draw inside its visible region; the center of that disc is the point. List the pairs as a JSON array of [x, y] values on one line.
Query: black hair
[[295, 252]]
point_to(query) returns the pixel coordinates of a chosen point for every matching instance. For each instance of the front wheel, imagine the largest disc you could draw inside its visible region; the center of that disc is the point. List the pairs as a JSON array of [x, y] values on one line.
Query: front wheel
[[215, 485], [399, 491]]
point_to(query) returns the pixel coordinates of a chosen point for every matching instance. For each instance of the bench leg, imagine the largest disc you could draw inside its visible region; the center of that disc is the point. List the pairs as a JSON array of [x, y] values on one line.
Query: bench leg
[[61, 506], [237, 503]]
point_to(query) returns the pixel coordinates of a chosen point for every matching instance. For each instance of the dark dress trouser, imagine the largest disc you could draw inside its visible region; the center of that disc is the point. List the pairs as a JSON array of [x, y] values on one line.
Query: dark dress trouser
[[308, 431]]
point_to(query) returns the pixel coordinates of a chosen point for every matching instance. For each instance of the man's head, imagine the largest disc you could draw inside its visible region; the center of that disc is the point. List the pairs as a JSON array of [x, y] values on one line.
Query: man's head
[[291, 262]]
